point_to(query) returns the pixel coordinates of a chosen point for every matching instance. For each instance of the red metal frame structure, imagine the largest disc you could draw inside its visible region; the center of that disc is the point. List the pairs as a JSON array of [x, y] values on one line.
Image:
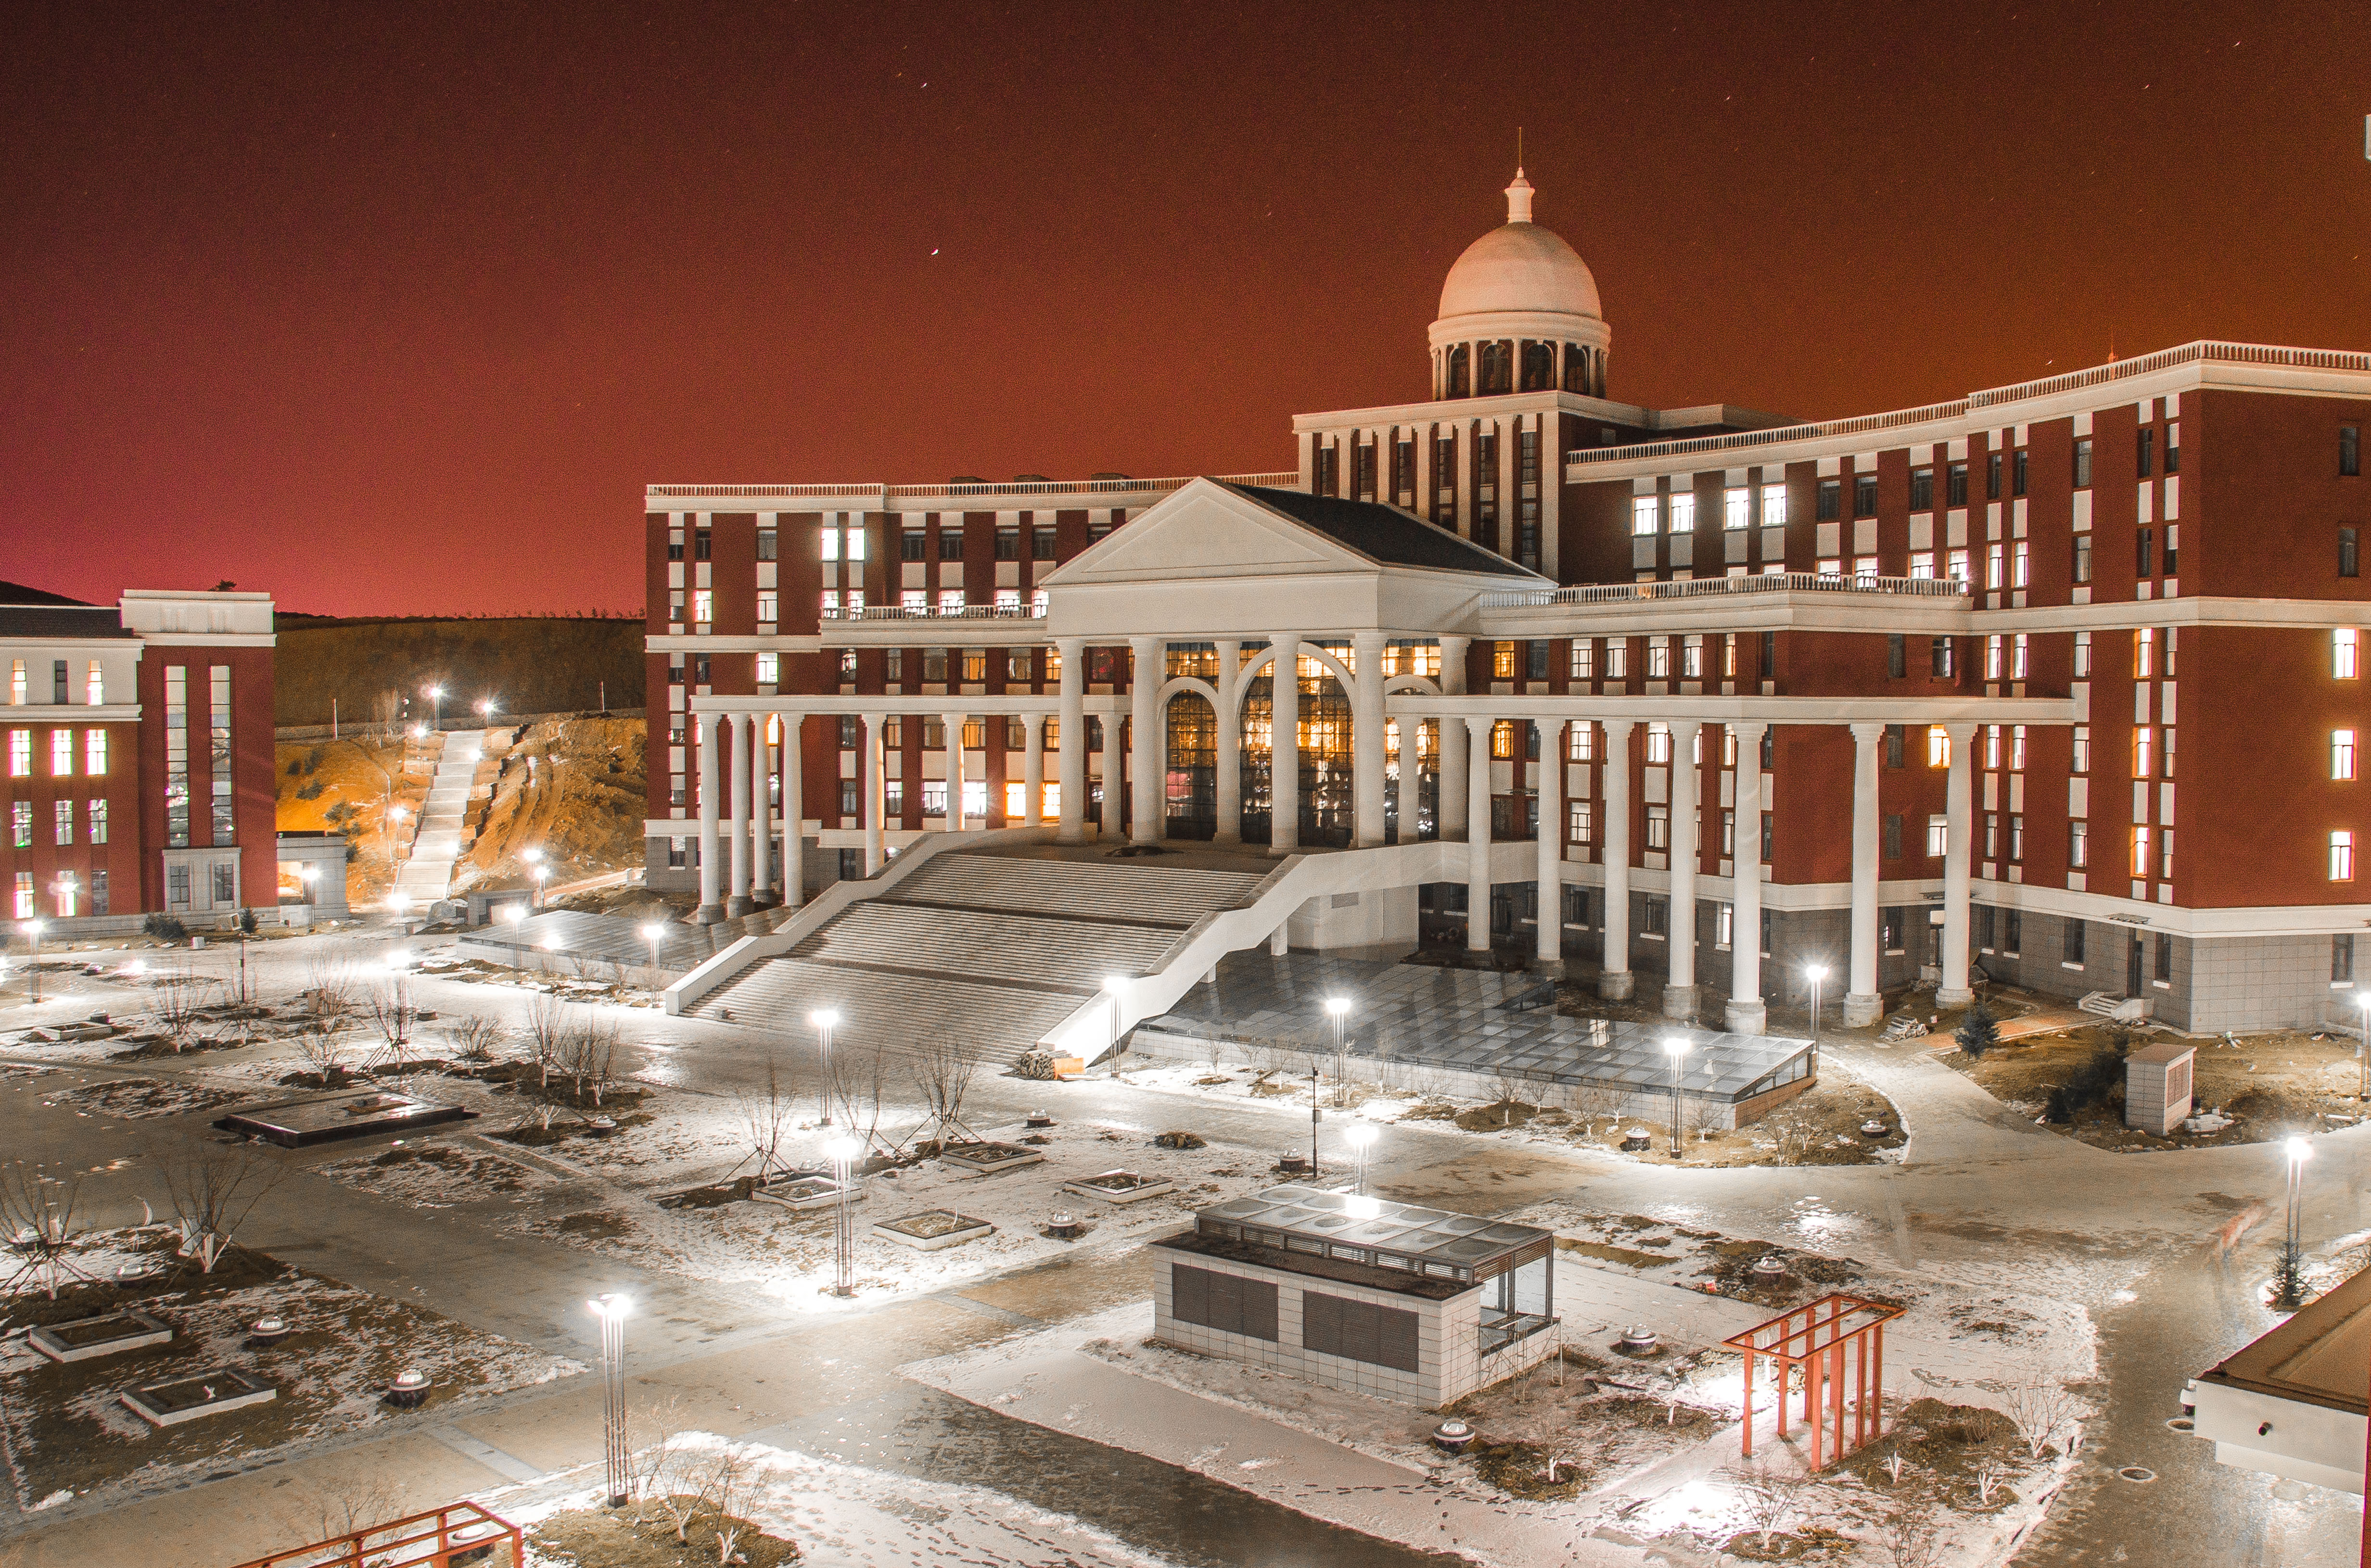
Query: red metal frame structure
[[459, 1535], [1825, 1338]]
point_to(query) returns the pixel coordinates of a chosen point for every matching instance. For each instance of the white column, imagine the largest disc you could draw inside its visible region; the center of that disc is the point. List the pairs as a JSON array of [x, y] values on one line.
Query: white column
[[761, 835], [708, 731], [1033, 769], [1680, 986], [1114, 774], [1616, 983], [1746, 1013], [1284, 745], [1071, 740], [1863, 1005], [1230, 686], [1477, 836], [1411, 775], [1450, 744], [794, 811], [876, 801], [1147, 670], [1366, 754], [953, 722], [1959, 824], [736, 894], [1550, 920]]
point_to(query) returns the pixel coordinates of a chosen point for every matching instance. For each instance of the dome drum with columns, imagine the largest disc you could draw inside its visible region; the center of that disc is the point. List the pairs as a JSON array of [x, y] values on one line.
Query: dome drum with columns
[[1520, 313]]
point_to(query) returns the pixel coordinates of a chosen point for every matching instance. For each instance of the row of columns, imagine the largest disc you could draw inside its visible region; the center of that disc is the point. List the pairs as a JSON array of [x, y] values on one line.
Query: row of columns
[[736, 850]]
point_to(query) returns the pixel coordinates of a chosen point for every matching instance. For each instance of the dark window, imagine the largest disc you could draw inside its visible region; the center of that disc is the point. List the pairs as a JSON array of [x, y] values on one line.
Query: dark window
[[1008, 544], [1459, 372], [1539, 367], [2350, 552], [769, 544], [951, 544], [2012, 931], [1894, 745], [1769, 740], [700, 545], [1984, 913], [2165, 957], [1226, 1302], [911, 548], [1959, 478], [2073, 943], [675, 550], [1893, 844], [1538, 662], [2082, 557], [1896, 661], [1890, 926], [851, 864], [1362, 471], [2350, 450], [1992, 477], [1938, 658], [1357, 1330], [848, 731], [2173, 449], [1832, 499], [1041, 544], [1922, 490], [2147, 455], [58, 682], [1769, 847], [2017, 475], [699, 669], [2144, 551], [2342, 960], [2171, 533], [1498, 368], [2083, 463], [847, 807], [1864, 495], [676, 856], [675, 674]]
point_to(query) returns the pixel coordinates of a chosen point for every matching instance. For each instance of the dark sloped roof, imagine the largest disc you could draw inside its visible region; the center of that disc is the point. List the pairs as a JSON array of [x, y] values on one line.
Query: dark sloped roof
[[17, 593], [38, 614], [1385, 533]]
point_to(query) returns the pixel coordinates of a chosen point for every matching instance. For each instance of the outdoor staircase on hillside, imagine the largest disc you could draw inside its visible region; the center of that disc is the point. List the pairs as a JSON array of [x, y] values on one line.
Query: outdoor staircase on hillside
[[990, 950], [429, 871]]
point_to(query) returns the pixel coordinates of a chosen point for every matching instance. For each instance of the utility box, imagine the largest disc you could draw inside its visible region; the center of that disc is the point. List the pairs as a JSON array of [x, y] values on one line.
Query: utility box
[[2157, 1087]]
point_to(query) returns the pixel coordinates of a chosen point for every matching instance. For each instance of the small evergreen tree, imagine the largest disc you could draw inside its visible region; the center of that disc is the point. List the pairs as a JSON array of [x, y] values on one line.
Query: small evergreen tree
[[1978, 1032]]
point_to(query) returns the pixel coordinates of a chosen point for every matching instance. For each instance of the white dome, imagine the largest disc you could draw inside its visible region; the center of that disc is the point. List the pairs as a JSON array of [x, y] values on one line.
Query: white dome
[[1520, 266]]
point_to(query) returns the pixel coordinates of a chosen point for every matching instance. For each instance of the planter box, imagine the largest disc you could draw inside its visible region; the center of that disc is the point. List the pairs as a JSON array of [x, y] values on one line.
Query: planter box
[[804, 1192], [88, 1339], [1120, 1187], [350, 1113], [932, 1230], [200, 1393], [987, 1158]]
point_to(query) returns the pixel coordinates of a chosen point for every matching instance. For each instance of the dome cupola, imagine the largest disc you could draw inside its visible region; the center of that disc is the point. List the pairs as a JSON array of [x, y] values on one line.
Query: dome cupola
[[1519, 313]]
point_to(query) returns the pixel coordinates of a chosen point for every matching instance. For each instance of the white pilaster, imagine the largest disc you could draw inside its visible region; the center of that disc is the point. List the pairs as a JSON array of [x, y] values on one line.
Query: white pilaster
[[1449, 745], [736, 895], [1148, 671], [709, 733], [1863, 1005], [876, 796], [1616, 983], [1679, 987], [794, 811], [1477, 836], [1367, 755], [1033, 769], [1230, 686], [1114, 775], [1957, 830], [1411, 799], [1071, 740], [1284, 745], [1550, 920], [953, 725], [761, 834], [1746, 1013]]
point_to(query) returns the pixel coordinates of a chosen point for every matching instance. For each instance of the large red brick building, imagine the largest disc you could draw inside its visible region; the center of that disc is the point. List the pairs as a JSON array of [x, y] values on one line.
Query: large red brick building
[[2061, 679]]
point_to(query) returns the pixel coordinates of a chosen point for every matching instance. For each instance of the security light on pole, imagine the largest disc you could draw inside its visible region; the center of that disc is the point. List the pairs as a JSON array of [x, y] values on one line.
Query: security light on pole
[[842, 1153], [1675, 1048], [33, 929], [654, 933], [1815, 974], [826, 1019], [1113, 986], [612, 1310], [1361, 1136]]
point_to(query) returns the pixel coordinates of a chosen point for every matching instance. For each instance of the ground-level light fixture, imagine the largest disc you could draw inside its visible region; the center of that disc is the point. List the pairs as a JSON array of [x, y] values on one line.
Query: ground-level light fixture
[[842, 1153], [1676, 1049], [612, 1309]]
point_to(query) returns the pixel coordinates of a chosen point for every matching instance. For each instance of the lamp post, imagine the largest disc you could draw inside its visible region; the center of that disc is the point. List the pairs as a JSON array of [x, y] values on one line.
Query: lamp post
[[537, 870], [1675, 1048], [2292, 1287], [436, 707], [398, 903], [1815, 974], [486, 708], [2363, 1051], [1337, 1009], [1114, 985], [1361, 1139], [396, 814], [826, 1019], [652, 933], [612, 1309], [33, 929], [842, 1152]]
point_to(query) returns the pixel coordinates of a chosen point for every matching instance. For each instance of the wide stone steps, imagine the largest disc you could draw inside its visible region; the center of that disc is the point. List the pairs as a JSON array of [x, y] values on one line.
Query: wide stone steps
[[896, 1012], [1026, 950], [1132, 891]]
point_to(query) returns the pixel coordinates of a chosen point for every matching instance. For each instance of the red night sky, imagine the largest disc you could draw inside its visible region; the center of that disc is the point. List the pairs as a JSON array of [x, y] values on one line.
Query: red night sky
[[393, 310]]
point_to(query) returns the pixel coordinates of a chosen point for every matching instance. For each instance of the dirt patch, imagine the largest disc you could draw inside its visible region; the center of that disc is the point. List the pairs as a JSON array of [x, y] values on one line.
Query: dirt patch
[[642, 1535], [1554, 1432], [2272, 1085], [138, 1099], [1944, 1449], [1820, 1126], [595, 1225], [571, 788], [1503, 1115]]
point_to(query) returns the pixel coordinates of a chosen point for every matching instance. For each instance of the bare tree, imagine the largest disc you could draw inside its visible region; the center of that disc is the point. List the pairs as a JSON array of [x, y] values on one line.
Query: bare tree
[[548, 1025], [729, 1476], [334, 987], [213, 1190], [1988, 1481], [357, 1502], [1772, 1493], [767, 1118], [588, 1054], [386, 715], [180, 1004], [324, 1050], [475, 1037], [39, 1210], [2040, 1408], [944, 1069], [675, 1482], [395, 1013], [1910, 1539], [856, 1090], [1594, 1102]]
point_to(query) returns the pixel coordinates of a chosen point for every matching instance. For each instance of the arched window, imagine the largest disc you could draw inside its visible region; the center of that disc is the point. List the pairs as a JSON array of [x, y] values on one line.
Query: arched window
[[1576, 369], [1460, 374], [1496, 371], [1539, 367]]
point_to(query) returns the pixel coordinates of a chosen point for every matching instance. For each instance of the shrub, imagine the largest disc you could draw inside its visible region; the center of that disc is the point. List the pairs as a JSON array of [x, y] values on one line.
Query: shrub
[[2087, 1086], [310, 789], [1978, 1032], [164, 925]]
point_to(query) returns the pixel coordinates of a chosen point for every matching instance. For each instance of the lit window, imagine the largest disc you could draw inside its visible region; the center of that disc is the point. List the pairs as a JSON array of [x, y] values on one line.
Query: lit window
[[1683, 512], [1617, 657], [1659, 743], [1643, 520], [1992, 658], [2140, 851], [769, 668], [1865, 570], [94, 753], [2343, 645], [1832, 569], [2018, 648], [1922, 565], [2082, 762], [1939, 836], [2341, 753], [1956, 571], [94, 691], [2017, 748], [1584, 659], [1692, 658], [1658, 828], [2143, 752], [1583, 744], [915, 601], [1579, 822], [97, 813], [951, 601], [703, 605], [1774, 506], [1008, 601], [1502, 740], [1037, 604], [2165, 856], [830, 608], [1502, 660], [2143, 653], [1724, 924], [831, 544], [769, 604], [1737, 508], [2082, 655], [1992, 745], [62, 753], [1659, 658], [2078, 844], [2023, 572], [20, 825], [62, 812], [2341, 856], [1938, 746], [24, 903], [17, 682]]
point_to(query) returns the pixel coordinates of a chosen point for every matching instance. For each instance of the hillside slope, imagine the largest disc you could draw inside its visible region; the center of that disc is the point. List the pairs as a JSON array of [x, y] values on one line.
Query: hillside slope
[[528, 665]]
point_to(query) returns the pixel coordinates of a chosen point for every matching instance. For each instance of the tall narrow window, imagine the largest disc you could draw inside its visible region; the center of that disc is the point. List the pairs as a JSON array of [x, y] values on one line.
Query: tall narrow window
[[2082, 758], [94, 753], [94, 691], [1922, 490], [2341, 753], [97, 812], [1683, 512], [2022, 566], [1864, 495], [2082, 557], [2083, 463], [224, 823], [2078, 844], [61, 754], [1830, 500], [2344, 652], [2350, 556], [2147, 451], [1584, 658], [1737, 508], [2016, 471], [177, 756], [2143, 752], [1992, 477], [2082, 655], [2140, 850], [2350, 450], [2341, 856], [1938, 746], [1644, 515], [1774, 506], [2143, 653], [62, 812], [2020, 648], [1958, 476]]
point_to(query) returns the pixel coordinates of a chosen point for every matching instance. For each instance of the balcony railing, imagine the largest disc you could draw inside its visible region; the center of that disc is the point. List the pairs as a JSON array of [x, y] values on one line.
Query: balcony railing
[[926, 612], [1017, 488], [1720, 587]]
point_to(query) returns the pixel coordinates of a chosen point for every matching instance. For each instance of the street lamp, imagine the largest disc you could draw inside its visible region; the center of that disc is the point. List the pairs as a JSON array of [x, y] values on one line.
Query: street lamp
[[842, 1153], [1112, 986], [1337, 1009], [436, 707], [399, 904], [1675, 1048], [2363, 1052], [2292, 1287], [1815, 973], [612, 1309], [826, 1019], [538, 870], [1361, 1138], [487, 708], [654, 933], [32, 928]]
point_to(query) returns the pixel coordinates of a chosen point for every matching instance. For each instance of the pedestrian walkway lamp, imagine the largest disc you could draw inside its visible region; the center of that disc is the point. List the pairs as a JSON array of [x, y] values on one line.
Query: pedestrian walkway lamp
[[826, 1019], [1361, 1138], [612, 1309], [653, 934], [33, 929], [1815, 974], [436, 707], [2363, 1052], [1114, 985], [1675, 1048], [2292, 1284], [842, 1153], [1338, 1011]]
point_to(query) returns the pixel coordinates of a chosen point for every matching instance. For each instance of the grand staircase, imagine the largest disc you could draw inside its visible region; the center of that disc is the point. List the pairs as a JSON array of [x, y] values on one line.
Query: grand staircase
[[429, 871], [990, 949]]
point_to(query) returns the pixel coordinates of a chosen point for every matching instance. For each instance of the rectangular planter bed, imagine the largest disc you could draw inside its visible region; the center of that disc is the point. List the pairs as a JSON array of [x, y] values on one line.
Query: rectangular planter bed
[[200, 1393], [88, 1339], [1120, 1187], [350, 1113], [987, 1158], [932, 1229], [804, 1192]]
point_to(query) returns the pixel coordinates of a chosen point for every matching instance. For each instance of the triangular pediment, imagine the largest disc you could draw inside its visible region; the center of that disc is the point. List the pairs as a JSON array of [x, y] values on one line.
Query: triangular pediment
[[1205, 530]]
